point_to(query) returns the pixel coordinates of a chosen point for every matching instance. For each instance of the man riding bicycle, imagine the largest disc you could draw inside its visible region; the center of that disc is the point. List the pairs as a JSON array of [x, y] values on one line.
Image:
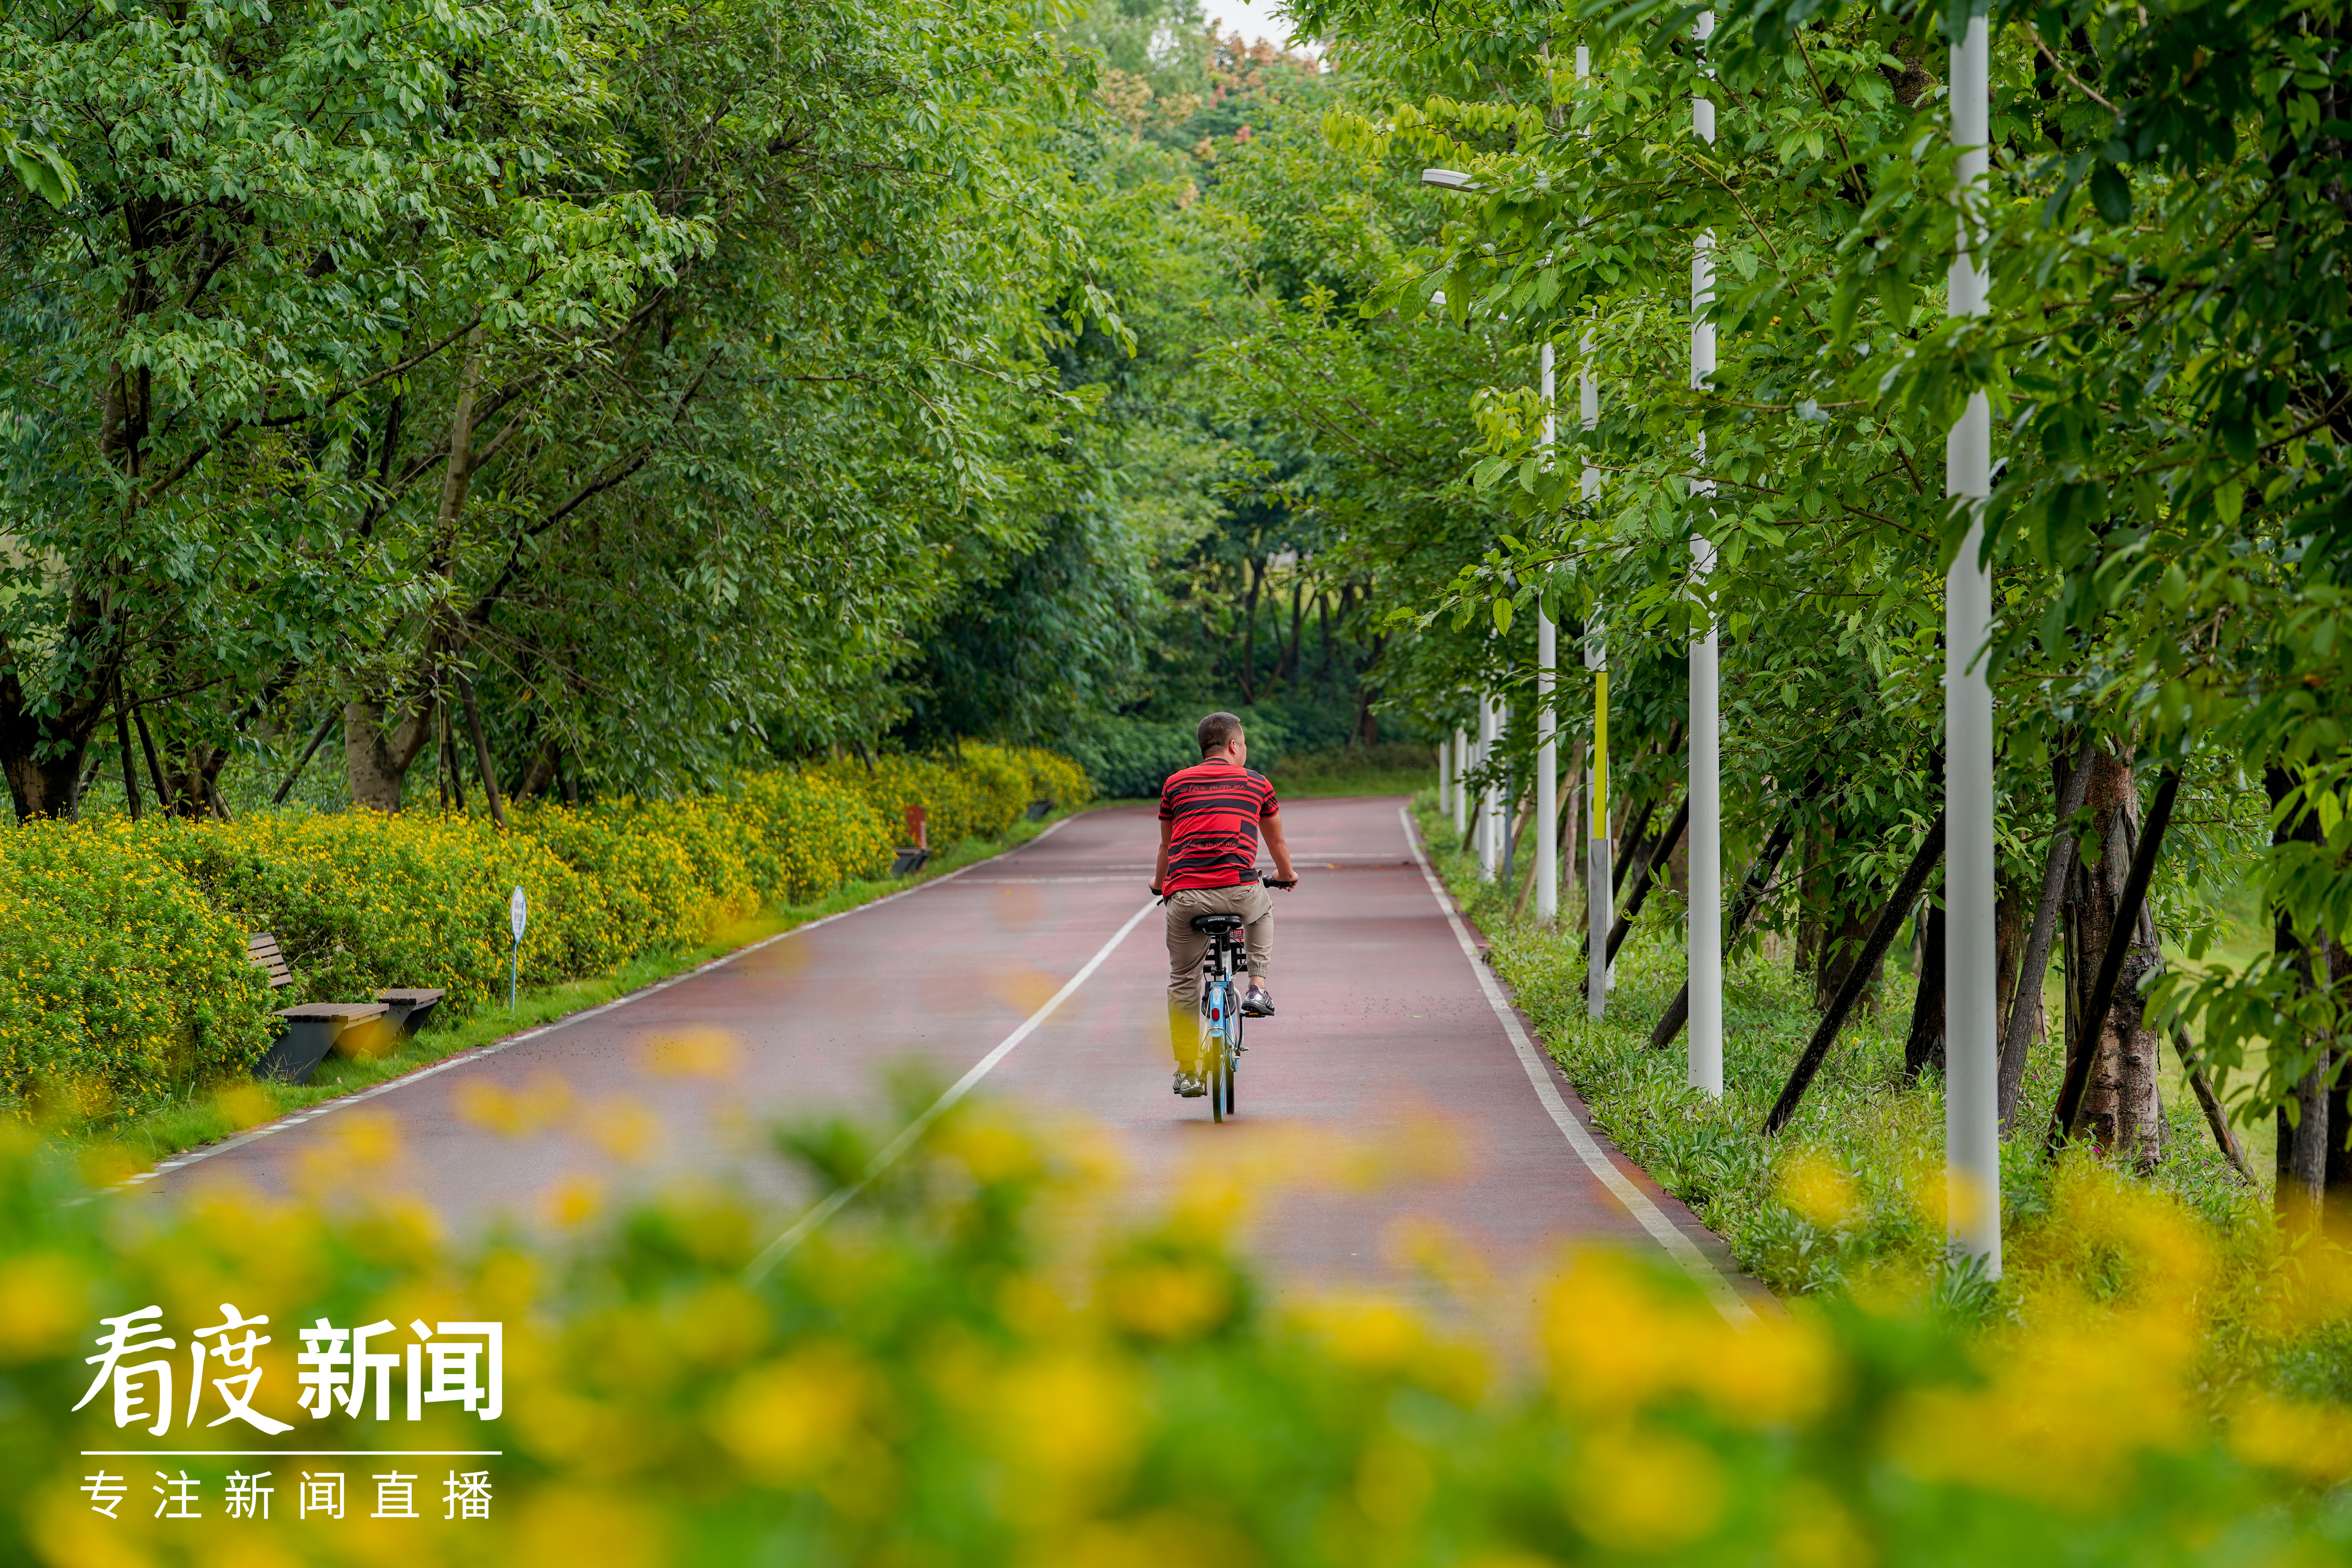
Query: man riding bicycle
[[1210, 819]]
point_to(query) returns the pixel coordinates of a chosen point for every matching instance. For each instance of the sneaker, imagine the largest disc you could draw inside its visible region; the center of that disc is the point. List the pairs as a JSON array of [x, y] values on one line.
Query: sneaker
[[1259, 1003], [1189, 1084]]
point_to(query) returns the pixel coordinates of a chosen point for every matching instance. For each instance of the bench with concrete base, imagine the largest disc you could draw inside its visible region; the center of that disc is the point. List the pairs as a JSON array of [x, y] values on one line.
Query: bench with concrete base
[[310, 1032], [306, 1034], [412, 1008]]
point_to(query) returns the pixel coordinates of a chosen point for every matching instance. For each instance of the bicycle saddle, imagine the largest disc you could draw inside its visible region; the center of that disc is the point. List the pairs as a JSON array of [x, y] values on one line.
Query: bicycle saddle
[[1217, 924]]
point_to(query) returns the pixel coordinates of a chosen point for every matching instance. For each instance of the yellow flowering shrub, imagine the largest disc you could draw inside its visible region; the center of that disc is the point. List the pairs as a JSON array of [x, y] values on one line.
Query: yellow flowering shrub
[[976, 794], [123, 966], [818, 834], [360, 901], [116, 975], [1054, 777]]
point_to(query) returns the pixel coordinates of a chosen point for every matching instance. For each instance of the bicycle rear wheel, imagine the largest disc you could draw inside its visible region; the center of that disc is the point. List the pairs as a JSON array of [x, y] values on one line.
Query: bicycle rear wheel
[[1233, 1057]]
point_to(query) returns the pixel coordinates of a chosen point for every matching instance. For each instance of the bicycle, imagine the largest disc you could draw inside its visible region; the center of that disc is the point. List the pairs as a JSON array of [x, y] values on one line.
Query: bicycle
[[1221, 1009], [1221, 1003]]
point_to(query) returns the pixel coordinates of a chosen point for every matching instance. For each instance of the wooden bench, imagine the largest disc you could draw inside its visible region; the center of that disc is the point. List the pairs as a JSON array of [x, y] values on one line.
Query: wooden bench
[[262, 951], [306, 1034], [411, 1006]]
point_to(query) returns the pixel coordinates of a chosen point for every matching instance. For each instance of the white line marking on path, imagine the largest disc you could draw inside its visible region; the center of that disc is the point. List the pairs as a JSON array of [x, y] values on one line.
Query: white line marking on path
[[840, 1196], [1637, 1203], [468, 1058]]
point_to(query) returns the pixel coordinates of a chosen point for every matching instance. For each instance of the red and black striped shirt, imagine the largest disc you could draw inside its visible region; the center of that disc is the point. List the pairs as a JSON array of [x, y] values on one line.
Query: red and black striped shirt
[[1214, 810]]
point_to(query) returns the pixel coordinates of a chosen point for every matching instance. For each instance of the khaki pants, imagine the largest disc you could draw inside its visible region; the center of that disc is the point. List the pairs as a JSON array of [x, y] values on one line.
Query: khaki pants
[[1187, 948]]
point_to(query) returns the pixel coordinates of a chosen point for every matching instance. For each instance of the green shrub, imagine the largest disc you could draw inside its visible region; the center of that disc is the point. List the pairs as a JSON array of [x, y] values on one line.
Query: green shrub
[[976, 794], [116, 975], [1129, 759], [1055, 778], [818, 834], [360, 901], [122, 964]]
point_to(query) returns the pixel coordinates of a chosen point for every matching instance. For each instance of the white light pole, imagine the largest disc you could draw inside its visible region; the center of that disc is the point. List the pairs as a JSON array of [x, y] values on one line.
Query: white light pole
[[1705, 746], [1971, 1130], [1588, 399], [1498, 801], [1490, 847], [1547, 725], [1598, 899], [1461, 793]]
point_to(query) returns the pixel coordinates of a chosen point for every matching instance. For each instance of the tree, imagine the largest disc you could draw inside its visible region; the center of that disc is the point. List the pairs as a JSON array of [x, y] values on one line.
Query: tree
[[283, 218]]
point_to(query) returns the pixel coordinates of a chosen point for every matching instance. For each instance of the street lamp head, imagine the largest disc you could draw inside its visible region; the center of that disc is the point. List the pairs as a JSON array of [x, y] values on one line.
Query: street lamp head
[[1451, 179]]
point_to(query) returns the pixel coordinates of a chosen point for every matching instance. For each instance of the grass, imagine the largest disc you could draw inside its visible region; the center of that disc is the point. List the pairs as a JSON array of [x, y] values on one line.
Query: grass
[[112, 1148], [1849, 1198]]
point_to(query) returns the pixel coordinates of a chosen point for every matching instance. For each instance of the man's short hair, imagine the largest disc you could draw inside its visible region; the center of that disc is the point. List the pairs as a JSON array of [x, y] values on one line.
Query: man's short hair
[[1218, 730]]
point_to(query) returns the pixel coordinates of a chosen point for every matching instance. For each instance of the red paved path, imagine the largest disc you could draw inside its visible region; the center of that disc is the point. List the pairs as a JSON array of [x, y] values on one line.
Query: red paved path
[[1385, 1036]]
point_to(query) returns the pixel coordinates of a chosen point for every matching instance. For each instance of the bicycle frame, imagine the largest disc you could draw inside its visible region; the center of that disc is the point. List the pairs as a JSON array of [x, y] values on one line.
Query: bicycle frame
[[1220, 1018]]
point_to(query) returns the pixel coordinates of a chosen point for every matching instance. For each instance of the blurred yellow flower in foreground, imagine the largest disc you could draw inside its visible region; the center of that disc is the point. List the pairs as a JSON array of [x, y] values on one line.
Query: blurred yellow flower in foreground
[[1818, 1189], [1169, 1300], [691, 1051], [1620, 1339], [46, 1302], [787, 1420], [2311, 1442], [1634, 1489]]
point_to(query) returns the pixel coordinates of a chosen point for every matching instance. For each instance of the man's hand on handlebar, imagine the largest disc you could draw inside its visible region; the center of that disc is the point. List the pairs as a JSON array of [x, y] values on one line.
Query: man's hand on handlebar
[[1285, 883]]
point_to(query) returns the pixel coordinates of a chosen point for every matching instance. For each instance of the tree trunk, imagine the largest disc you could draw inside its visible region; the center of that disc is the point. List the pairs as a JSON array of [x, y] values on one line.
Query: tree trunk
[[2121, 1112], [42, 785], [318, 738], [2302, 1149], [1752, 889], [482, 762], [1297, 620], [2302, 1136], [1633, 846], [1659, 849], [1323, 620], [164, 798], [1249, 631], [377, 758], [2336, 1172], [537, 774], [453, 777], [378, 749], [2050, 916], [1829, 934], [1858, 975], [2012, 910], [122, 741], [1923, 1049]]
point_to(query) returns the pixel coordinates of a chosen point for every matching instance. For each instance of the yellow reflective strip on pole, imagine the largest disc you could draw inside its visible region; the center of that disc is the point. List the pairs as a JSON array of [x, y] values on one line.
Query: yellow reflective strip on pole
[[1601, 753]]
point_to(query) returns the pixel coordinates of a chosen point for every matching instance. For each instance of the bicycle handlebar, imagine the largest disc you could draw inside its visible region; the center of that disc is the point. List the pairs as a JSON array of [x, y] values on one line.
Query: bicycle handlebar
[[1268, 878]]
